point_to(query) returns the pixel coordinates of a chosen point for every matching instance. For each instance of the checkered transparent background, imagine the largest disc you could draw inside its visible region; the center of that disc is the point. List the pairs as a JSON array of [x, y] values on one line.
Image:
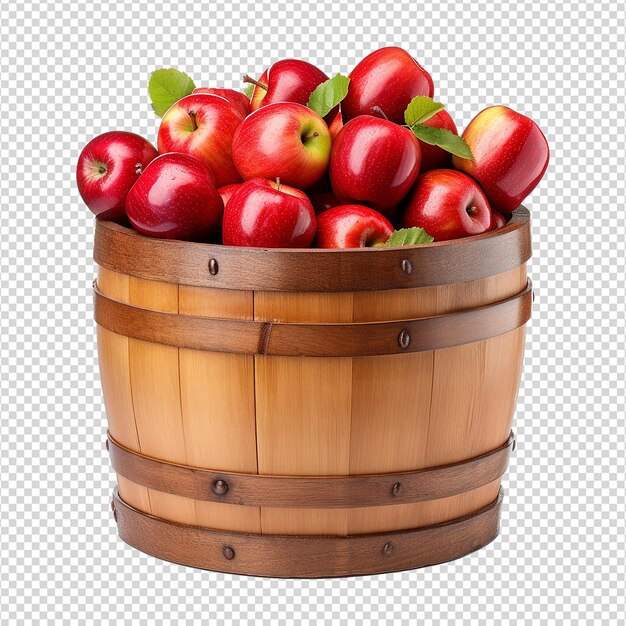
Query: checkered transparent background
[[71, 70]]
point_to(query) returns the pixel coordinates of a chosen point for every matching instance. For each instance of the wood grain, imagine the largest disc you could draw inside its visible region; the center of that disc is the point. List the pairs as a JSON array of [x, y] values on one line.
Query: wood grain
[[424, 420], [155, 383], [217, 404], [113, 357], [303, 411], [456, 429], [407, 304]]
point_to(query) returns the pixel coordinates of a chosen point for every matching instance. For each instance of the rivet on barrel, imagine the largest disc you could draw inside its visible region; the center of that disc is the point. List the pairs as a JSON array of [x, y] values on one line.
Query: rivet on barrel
[[228, 553], [407, 266], [395, 490], [213, 267], [404, 339], [220, 487], [387, 549]]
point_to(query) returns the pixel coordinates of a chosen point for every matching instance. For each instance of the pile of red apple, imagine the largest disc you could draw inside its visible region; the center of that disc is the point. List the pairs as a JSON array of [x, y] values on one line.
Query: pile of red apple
[[304, 160]]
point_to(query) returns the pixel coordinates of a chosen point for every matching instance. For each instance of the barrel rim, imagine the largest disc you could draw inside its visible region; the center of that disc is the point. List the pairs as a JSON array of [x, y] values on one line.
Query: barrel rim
[[123, 249], [519, 217], [306, 556]]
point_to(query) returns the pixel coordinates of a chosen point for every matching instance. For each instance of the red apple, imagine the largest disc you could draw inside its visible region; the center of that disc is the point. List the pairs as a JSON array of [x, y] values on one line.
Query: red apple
[[447, 204], [497, 220], [374, 161], [107, 168], [283, 140], [433, 157], [239, 100], [352, 226], [389, 79], [175, 198], [227, 192], [510, 154], [267, 214], [289, 80], [325, 200], [336, 125], [203, 126]]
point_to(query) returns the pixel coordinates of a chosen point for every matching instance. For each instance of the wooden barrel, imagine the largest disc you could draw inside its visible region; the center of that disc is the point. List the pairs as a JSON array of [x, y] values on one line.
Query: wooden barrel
[[310, 413]]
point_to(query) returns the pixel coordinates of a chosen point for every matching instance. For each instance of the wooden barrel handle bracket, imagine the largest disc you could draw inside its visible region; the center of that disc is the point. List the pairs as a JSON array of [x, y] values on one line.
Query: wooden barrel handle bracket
[[314, 340], [364, 490], [314, 556], [362, 269]]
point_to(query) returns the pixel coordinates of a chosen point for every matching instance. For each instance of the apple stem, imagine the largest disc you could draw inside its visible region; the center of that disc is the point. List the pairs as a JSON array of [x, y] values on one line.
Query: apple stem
[[471, 210], [248, 79], [311, 136], [380, 112], [192, 115], [278, 183]]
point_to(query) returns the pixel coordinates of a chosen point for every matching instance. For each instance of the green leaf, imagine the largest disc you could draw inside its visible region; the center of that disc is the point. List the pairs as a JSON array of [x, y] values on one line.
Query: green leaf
[[409, 237], [444, 139], [248, 89], [420, 109], [166, 87], [329, 94]]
